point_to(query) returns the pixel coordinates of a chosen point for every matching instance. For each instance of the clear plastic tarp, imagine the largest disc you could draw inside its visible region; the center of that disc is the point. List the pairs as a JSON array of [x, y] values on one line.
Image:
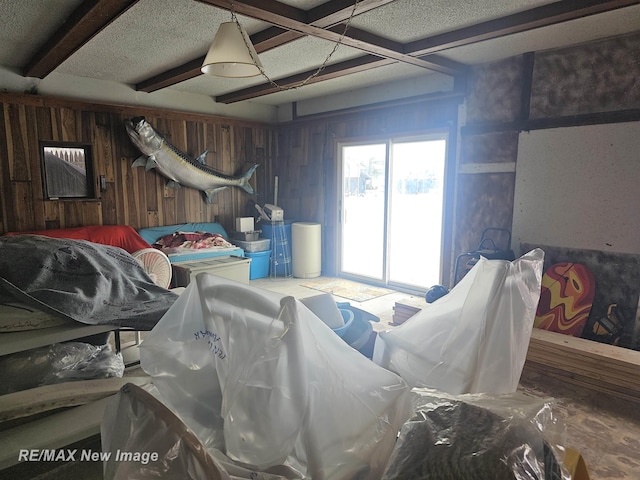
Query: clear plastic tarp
[[478, 436], [257, 376], [266, 390], [58, 363], [475, 338]]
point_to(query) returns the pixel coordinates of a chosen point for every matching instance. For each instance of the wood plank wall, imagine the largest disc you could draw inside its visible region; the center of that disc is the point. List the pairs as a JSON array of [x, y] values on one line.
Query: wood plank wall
[[132, 196], [307, 163]]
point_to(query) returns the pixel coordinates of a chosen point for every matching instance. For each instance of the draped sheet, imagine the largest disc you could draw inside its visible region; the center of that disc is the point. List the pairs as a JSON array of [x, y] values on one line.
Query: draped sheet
[[79, 280]]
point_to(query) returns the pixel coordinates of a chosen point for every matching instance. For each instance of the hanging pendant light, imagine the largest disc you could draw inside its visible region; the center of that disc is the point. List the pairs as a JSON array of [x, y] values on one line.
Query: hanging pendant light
[[231, 54]]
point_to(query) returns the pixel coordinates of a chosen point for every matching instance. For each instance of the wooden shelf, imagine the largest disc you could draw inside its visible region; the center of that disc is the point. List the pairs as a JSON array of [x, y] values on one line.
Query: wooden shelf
[[54, 431], [20, 341], [59, 429]]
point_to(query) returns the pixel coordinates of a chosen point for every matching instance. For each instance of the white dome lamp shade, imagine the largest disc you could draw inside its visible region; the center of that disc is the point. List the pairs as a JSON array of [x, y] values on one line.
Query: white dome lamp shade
[[232, 54]]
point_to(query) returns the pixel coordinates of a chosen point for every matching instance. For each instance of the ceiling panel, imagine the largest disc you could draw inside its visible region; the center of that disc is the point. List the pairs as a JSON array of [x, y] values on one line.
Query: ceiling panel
[[408, 20], [356, 81], [616, 22], [26, 25], [149, 38], [154, 36], [302, 55]]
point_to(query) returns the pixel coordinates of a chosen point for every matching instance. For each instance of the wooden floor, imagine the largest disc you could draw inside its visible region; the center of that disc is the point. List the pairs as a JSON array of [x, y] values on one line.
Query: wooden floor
[[605, 431]]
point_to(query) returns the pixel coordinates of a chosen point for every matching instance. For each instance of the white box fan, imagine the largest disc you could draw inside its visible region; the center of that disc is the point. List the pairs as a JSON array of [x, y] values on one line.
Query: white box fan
[[156, 264]]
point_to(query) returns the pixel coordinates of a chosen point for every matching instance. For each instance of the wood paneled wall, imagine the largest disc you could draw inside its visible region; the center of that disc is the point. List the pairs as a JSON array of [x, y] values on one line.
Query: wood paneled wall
[[132, 196], [307, 163], [301, 153]]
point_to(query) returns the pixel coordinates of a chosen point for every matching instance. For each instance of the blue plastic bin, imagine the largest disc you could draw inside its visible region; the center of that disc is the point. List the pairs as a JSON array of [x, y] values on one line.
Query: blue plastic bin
[[259, 267], [357, 330]]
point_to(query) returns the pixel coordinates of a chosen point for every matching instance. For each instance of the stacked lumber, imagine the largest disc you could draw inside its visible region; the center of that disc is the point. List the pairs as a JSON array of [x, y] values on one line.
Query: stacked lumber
[[596, 366], [404, 309]]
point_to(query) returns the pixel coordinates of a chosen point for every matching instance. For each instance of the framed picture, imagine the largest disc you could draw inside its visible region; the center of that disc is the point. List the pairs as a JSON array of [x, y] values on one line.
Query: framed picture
[[67, 170]]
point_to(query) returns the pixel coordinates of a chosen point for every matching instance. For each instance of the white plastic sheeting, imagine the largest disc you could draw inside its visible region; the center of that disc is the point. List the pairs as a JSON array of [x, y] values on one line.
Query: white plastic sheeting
[[257, 376], [475, 338], [270, 391], [140, 425]]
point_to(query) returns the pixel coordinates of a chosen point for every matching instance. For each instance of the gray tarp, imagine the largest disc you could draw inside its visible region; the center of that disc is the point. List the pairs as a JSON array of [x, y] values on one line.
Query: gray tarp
[[79, 280]]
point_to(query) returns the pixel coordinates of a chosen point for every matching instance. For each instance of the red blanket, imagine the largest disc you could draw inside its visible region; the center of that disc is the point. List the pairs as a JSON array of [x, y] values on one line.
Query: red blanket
[[122, 236]]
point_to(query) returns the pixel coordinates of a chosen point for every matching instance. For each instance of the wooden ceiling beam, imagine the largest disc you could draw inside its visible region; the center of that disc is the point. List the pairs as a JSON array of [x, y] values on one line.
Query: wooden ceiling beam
[[85, 22], [179, 74], [543, 16], [324, 15], [336, 11], [273, 37], [355, 65], [336, 70], [527, 20], [273, 12]]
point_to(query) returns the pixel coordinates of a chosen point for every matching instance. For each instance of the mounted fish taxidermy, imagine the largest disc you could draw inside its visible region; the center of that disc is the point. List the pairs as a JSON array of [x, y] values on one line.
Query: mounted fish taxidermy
[[178, 167]]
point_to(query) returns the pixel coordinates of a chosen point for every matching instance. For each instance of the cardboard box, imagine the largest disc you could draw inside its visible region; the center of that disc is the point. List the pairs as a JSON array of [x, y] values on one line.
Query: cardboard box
[[244, 224], [576, 465]]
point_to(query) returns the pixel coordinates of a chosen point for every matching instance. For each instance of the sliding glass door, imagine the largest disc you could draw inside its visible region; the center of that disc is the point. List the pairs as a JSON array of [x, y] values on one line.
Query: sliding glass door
[[391, 214], [416, 179], [363, 210]]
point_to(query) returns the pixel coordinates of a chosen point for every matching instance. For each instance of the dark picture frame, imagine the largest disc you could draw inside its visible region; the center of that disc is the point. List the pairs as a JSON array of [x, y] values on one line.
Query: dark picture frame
[[67, 170]]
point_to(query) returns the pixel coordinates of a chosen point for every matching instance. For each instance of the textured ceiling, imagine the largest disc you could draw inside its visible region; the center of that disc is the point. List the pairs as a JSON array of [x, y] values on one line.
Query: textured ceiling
[[617, 22], [154, 36], [408, 20], [26, 25]]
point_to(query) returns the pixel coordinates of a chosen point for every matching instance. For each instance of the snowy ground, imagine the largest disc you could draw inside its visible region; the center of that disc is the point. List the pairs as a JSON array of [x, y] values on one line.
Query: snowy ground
[[414, 237]]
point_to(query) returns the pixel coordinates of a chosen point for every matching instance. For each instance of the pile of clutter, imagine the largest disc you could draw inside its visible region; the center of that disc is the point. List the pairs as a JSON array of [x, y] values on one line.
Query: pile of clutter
[[252, 384]]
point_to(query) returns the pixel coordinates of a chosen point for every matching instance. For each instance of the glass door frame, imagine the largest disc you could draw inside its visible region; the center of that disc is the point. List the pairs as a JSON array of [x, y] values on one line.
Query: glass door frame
[[448, 197], [340, 212], [431, 135]]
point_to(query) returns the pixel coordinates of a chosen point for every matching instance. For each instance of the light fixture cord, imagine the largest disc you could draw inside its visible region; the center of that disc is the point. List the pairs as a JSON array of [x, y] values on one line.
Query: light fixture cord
[[314, 74]]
